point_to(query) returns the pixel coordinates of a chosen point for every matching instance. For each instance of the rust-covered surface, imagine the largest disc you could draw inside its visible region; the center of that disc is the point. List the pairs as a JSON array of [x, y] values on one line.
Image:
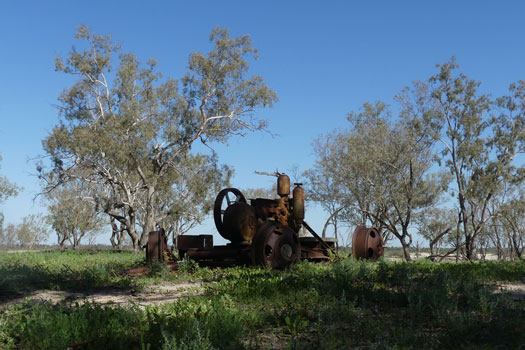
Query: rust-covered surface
[[225, 199], [283, 185], [275, 246], [268, 227], [263, 232], [187, 242], [157, 246], [367, 243], [239, 221], [298, 204], [313, 250]]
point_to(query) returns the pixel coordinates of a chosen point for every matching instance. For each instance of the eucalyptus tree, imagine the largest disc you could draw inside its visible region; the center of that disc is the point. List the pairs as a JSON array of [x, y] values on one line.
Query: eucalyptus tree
[[71, 213], [186, 200], [338, 180], [8, 236], [33, 230], [382, 166], [260, 192], [511, 217], [323, 190], [479, 158], [436, 225], [126, 128], [7, 189]]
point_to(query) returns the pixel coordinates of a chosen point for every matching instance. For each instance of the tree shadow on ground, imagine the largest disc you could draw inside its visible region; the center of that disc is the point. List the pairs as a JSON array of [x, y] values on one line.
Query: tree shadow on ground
[[18, 280]]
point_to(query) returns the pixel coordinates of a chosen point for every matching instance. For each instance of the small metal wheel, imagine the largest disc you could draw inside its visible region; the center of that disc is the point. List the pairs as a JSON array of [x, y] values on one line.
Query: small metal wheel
[[225, 198], [275, 246]]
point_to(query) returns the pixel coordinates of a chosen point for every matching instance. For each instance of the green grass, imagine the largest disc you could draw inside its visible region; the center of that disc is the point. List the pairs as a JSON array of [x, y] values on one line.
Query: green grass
[[21, 273], [343, 304]]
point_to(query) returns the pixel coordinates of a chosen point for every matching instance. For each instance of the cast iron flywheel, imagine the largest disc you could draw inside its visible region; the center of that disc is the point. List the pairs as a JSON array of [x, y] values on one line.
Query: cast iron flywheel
[[225, 198], [275, 246]]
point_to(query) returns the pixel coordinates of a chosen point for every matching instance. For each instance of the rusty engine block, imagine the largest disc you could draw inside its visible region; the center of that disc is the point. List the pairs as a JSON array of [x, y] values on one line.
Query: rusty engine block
[[263, 232]]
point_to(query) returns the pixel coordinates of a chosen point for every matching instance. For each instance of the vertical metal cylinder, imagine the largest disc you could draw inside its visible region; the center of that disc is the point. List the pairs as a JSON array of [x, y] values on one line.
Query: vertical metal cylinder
[[298, 203], [283, 185]]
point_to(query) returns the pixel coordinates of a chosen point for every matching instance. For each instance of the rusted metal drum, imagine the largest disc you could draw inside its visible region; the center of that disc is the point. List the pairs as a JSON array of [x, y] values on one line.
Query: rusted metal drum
[[239, 222], [226, 198], [298, 203], [367, 243], [275, 246], [283, 185]]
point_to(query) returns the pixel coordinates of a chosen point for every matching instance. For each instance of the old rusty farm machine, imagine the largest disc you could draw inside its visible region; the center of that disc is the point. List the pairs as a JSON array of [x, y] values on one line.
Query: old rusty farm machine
[[262, 232]]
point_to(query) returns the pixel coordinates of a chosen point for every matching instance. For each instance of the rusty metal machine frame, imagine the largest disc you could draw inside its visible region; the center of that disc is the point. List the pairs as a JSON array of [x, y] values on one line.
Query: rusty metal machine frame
[[262, 232]]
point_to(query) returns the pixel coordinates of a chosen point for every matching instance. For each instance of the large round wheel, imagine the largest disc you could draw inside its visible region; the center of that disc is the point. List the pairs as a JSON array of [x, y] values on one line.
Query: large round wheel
[[367, 243], [275, 246], [225, 198]]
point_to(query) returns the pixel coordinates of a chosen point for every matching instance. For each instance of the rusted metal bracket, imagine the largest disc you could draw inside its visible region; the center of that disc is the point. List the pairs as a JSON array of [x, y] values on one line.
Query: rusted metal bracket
[[323, 243], [157, 247]]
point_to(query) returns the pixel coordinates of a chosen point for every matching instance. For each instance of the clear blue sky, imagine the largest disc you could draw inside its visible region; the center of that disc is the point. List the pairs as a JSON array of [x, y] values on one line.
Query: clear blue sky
[[323, 59]]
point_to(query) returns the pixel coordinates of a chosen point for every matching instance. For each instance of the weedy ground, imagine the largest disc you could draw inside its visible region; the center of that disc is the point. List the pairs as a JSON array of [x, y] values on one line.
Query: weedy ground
[[341, 304]]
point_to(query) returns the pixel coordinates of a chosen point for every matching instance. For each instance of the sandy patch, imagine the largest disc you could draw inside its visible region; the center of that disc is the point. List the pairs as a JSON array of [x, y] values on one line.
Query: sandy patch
[[515, 290], [152, 295], [451, 258], [15, 251]]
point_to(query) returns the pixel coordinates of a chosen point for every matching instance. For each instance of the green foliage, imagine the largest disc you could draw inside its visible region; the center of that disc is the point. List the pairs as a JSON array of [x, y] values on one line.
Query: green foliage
[[188, 265], [128, 131], [89, 326], [481, 161], [7, 188], [75, 271], [32, 230], [378, 170], [72, 215], [339, 304]]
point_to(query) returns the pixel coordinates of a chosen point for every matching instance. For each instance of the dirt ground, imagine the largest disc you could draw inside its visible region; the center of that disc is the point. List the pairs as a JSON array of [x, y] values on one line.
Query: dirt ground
[[451, 258], [516, 290], [170, 292], [152, 295]]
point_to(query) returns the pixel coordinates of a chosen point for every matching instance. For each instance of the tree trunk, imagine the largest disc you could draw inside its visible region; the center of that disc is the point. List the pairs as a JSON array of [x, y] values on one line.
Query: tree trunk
[[406, 250], [470, 247], [132, 230], [432, 252], [149, 223], [333, 220], [498, 244], [517, 249], [149, 226], [76, 240], [406, 245], [118, 233], [114, 233], [457, 235], [61, 240]]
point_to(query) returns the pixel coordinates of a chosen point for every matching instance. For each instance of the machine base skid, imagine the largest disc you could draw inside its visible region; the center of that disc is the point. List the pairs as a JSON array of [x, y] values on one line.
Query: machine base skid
[[200, 248], [312, 249]]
